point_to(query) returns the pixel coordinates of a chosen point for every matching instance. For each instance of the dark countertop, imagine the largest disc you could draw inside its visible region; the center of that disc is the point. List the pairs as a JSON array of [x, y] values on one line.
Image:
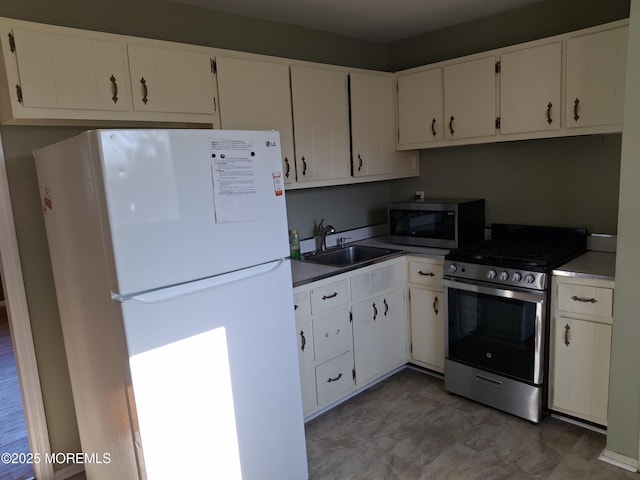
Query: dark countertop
[[304, 272]]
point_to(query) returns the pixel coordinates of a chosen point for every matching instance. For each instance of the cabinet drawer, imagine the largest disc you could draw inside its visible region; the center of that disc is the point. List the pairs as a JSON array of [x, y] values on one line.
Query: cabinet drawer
[[334, 377], [586, 300], [301, 305], [377, 280], [331, 335], [328, 297], [425, 273]]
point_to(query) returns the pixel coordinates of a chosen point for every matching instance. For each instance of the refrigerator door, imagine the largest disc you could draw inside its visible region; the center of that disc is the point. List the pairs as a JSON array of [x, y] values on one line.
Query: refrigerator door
[[215, 377], [180, 205]]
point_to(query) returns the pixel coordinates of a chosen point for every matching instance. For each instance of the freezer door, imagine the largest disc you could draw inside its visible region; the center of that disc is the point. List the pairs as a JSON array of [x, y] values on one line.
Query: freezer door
[[181, 205], [215, 378]]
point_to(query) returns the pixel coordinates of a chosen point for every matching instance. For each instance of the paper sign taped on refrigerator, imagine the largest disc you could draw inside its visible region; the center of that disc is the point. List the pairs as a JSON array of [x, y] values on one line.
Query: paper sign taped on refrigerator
[[233, 166]]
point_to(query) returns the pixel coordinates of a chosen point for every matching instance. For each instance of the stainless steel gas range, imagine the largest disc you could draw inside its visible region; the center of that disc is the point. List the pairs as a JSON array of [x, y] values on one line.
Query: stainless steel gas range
[[497, 309]]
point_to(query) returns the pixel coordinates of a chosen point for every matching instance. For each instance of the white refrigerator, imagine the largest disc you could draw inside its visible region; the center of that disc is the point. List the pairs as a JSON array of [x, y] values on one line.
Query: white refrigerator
[[168, 250]]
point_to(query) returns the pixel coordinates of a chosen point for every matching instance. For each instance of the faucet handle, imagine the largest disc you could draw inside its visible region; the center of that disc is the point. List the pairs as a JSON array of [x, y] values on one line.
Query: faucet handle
[[321, 226], [341, 241]]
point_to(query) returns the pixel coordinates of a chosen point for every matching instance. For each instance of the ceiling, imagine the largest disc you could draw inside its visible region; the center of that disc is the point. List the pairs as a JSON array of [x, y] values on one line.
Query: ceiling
[[381, 21]]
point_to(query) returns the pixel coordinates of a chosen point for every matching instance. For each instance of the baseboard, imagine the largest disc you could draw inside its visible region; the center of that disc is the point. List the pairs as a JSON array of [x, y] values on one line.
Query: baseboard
[[621, 461], [69, 471]]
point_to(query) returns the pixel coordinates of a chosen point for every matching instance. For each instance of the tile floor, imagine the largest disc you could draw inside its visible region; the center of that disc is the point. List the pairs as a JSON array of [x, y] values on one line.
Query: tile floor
[[408, 427]]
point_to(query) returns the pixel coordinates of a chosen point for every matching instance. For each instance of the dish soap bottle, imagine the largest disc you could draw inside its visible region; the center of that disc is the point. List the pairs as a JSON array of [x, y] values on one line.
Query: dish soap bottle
[[294, 244]]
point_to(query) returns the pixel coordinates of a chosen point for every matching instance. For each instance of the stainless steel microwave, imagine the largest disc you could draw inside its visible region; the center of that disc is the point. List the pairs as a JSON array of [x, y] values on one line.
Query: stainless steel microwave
[[442, 223]]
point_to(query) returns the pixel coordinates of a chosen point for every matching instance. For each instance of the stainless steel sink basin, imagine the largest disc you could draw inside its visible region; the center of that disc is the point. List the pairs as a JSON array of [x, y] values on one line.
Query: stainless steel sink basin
[[347, 256]]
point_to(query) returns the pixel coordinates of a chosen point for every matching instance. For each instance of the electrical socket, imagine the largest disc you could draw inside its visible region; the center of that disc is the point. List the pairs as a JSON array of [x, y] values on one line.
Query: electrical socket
[[419, 196]]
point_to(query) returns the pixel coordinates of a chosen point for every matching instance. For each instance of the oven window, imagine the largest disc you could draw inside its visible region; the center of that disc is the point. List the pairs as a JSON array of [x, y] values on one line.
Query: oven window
[[424, 224], [492, 333]]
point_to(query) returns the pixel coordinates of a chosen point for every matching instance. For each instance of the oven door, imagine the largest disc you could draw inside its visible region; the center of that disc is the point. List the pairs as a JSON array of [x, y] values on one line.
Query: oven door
[[496, 330]]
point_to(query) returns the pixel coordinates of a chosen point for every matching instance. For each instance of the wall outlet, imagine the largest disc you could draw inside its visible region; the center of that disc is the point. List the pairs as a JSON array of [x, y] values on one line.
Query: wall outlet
[[419, 196]]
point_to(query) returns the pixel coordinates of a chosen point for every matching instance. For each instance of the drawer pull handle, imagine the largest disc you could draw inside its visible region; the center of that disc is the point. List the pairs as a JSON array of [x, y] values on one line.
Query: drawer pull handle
[[334, 379], [427, 274], [359, 163], [566, 334], [576, 115], [375, 311], [549, 107], [433, 127], [435, 305], [304, 167], [575, 298], [386, 307], [451, 130], [303, 340], [288, 169], [331, 295]]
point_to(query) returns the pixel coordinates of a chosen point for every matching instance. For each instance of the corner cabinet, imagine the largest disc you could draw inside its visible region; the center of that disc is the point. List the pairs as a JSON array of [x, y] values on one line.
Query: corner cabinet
[[256, 95], [580, 343], [321, 123], [420, 107], [373, 152], [352, 331], [426, 307]]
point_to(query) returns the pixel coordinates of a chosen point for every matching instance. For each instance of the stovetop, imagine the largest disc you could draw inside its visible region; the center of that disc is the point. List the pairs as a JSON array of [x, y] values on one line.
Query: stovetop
[[517, 255]]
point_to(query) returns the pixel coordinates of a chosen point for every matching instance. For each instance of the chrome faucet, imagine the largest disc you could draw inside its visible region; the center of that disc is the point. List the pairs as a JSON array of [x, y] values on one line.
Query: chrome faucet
[[323, 232]]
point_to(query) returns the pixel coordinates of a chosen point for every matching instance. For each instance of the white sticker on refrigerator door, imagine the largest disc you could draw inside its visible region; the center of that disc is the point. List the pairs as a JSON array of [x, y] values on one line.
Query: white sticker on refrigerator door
[[233, 168]]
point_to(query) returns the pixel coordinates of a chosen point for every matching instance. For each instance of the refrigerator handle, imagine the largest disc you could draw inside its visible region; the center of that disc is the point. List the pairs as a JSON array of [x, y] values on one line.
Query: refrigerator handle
[[170, 293]]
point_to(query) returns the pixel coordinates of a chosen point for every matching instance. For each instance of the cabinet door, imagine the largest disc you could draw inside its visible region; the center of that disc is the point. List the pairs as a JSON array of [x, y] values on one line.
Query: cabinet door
[[372, 124], [306, 362], [257, 96], [60, 71], [470, 99], [427, 327], [581, 368], [420, 107], [331, 335], [171, 80], [321, 123], [596, 67], [530, 82], [391, 330], [379, 335]]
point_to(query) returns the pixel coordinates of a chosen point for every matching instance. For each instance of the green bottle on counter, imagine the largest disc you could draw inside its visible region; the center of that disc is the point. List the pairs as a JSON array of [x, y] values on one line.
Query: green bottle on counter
[[294, 244]]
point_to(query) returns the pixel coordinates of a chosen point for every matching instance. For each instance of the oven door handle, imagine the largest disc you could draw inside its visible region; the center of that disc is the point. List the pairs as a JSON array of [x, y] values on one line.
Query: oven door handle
[[470, 286]]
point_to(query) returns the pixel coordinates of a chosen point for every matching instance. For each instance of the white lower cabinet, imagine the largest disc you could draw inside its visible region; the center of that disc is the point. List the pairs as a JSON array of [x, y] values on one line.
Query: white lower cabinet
[[352, 330], [426, 311], [582, 318]]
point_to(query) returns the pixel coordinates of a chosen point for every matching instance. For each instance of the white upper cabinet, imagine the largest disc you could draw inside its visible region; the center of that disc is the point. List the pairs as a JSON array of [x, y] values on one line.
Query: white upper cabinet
[[321, 123], [595, 72], [530, 85], [67, 72], [470, 99], [372, 124], [420, 107], [256, 95], [171, 80]]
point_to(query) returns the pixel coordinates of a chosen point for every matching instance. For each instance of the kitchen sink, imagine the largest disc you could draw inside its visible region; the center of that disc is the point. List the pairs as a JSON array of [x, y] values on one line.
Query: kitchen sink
[[347, 256]]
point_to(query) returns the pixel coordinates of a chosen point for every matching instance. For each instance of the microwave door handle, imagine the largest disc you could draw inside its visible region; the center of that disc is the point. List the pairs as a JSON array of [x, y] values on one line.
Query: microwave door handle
[[536, 297]]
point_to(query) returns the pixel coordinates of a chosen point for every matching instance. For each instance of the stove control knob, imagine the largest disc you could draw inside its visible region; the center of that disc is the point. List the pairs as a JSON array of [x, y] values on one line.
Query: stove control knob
[[452, 268], [516, 277], [504, 276], [491, 274], [529, 278]]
